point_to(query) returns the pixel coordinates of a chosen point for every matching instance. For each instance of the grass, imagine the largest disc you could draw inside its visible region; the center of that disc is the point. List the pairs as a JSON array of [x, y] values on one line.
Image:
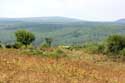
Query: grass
[[77, 67]]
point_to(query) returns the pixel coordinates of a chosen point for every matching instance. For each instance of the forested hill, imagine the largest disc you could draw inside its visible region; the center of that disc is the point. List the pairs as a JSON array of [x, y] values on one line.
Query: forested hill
[[63, 30]]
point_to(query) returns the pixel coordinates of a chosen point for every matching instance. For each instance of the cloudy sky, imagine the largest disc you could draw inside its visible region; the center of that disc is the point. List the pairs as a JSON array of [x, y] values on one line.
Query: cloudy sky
[[98, 10]]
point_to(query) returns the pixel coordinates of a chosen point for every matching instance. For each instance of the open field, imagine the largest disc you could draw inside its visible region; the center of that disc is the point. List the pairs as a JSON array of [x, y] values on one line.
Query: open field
[[79, 67]]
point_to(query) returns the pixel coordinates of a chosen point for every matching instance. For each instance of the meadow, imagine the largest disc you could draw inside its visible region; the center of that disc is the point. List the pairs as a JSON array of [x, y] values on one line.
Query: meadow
[[77, 67]]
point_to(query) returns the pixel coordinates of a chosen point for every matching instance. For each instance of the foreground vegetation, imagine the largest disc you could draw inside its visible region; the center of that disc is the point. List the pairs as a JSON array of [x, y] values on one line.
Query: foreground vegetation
[[77, 67]]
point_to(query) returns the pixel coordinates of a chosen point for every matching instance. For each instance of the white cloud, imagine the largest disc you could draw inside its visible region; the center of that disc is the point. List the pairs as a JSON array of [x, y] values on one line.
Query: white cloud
[[84, 9]]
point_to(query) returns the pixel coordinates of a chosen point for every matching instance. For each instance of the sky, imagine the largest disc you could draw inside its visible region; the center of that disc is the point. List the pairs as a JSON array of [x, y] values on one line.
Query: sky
[[94, 10]]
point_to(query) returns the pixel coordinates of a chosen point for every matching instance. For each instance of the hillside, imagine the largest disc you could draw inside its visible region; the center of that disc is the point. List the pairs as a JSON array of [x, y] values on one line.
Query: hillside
[[42, 19], [63, 30]]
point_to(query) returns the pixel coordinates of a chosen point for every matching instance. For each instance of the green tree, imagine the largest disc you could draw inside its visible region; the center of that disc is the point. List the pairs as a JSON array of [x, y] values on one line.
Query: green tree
[[24, 37], [115, 43], [48, 41]]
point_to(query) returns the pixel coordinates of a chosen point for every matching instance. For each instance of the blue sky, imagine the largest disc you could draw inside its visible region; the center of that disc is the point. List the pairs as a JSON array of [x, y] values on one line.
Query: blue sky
[[95, 10]]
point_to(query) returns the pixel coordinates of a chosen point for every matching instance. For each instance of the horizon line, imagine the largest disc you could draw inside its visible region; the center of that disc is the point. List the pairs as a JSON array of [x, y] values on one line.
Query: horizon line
[[77, 18]]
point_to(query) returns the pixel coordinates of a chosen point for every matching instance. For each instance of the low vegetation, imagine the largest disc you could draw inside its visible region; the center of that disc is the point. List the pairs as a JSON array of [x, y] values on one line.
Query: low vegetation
[[114, 44], [77, 67]]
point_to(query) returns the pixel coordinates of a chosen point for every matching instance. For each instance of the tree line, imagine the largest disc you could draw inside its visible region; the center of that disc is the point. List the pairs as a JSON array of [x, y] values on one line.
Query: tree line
[[113, 44], [25, 38]]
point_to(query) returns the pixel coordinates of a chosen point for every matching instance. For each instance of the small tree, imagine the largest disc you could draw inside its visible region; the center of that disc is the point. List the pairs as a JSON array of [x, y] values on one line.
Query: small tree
[[24, 37], [48, 41]]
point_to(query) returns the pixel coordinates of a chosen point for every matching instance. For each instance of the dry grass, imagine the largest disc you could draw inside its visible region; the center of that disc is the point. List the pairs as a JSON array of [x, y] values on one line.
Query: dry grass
[[79, 68]]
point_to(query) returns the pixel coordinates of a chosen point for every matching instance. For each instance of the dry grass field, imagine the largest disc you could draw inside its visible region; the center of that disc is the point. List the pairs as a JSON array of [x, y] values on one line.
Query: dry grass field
[[79, 67]]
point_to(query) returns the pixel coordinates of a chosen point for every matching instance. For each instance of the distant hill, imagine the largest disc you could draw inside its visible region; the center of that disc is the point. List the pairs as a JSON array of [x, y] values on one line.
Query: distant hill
[[43, 19], [63, 30], [121, 21]]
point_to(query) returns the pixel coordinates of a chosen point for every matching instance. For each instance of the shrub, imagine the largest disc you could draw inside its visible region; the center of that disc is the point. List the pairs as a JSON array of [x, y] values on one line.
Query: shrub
[[122, 52], [9, 45], [30, 46], [94, 48], [101, 48], [44, 45], [115, 43], [17, 45], [1, 45], [48, 41], [57, 53], [24, 37]]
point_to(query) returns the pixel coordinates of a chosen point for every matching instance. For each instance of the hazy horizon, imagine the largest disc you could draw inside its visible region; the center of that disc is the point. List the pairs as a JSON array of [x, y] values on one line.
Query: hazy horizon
[[96, 10]]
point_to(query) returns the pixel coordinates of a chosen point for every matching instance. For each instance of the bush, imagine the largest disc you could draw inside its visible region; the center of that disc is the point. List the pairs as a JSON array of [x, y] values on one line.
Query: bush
[[94, 48], [122, 52], [30, 46], [24, 37], [9, 45], [115, 43], [44, 46], [57, 53], [101, 48], [48, 41], [17, 45], [1, 45]]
